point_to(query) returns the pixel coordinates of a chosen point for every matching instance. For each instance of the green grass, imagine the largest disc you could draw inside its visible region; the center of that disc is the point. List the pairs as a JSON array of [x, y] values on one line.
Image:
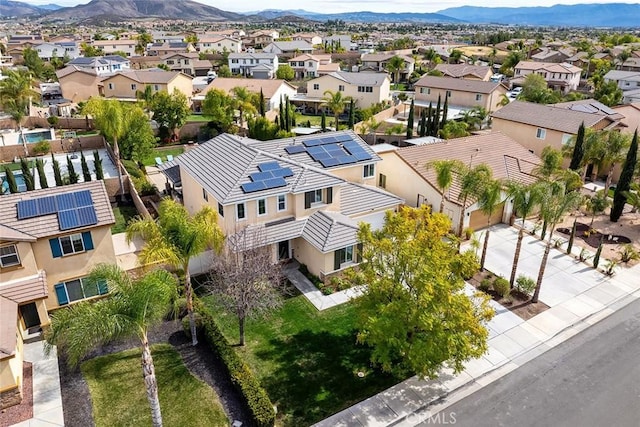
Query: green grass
[[301, 120], [162, 153], [13, 166], [119, 398], [308, 361], [123, 214], [198, 118]]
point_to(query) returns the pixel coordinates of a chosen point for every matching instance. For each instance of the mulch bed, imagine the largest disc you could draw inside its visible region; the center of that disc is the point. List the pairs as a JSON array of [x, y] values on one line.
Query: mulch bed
[[519, 303], [593, 237], [23, 411], [200, 360]]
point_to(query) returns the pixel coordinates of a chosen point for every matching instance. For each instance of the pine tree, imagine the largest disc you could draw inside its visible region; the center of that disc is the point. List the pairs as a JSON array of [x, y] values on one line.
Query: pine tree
[[97, 164], [445, 110], [85, 168], [11, 180], [578, 150], [626, 177], [410, 121], [73, 176], [571, 237], [41, 175], [29, 182], [57, 175], [436, 118], [287, 116], [323, 122], [262, 112]]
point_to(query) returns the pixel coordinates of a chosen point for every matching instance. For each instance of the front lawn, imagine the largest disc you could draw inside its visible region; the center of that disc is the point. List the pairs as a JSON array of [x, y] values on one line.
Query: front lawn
[[123, 214], [308, 361], [162, 153], [198, 118], [301, 120], [119, 398]]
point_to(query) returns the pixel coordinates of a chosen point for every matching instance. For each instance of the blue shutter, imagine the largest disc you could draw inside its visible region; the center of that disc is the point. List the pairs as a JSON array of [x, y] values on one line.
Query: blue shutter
[[103, 288], [87, 240], [61, 293], [56, 250]]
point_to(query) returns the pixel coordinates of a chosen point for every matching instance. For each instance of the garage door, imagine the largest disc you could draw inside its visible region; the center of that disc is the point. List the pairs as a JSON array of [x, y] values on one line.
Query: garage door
[[478, 219]]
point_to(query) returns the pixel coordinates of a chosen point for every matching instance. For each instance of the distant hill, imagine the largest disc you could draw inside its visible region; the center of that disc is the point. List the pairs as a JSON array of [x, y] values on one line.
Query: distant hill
[[16, 8], [578, 15], [364, 16], [50, 6]]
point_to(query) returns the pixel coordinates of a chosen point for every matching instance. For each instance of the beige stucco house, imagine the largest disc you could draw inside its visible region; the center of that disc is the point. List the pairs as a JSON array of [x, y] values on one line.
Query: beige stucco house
[[109, 47], [462, 94], [218, 44], [125, 85], [78, 84], [563, 77], [465, 71]]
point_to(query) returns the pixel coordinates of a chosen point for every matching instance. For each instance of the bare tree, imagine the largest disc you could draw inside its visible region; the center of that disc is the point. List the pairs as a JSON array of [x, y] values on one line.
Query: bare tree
[[245, 278]]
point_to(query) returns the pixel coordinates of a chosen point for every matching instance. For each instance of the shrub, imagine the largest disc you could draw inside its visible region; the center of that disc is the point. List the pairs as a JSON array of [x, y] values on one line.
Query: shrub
[[584, 255], [525, 284], [485, 285], [42, 147], [53, 120], [466, 264], [242, 378], [629, 253], [501, 286], [144, 187], [610, 268], [186, 324], [132, 168], [468, 232]]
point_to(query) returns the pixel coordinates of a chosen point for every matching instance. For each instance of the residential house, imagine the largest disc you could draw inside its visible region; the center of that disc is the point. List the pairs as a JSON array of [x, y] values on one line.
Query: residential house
[[19, 40], [310, 66], [272, 90], [626, 80], [288, 48], [218, 44], [259, 39], [79, 84], [101, 65], [461, 94], [631, 116], [125, 85], [465, 71], [163, 49], [50, 239], [303, 196], [340, 40], [552, 55], [631, 64], [405, 172], [243, 63], [110, 47], [187, 63], [47, 51], [313, 39], [378, 62], [162, 37], [563, 77]]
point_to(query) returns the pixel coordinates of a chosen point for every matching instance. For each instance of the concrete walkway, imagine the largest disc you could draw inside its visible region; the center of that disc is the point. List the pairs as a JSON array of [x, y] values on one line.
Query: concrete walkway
[[47, 398], [577, 296]]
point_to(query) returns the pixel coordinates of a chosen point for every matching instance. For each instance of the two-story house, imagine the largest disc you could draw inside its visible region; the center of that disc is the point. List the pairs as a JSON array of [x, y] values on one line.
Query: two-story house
[[563, 77], [259, 39], [552, 55], [288, 48], [366, 89], [218, 44], [82, 77], [102, 65], [50, 239], [310, 66], [465, 71], [313, 39], [187, 63], [243, 63], [378, 62], [125, 85], [162, 49], [47, 51], [272, 90], [110, 47], [305, 195]]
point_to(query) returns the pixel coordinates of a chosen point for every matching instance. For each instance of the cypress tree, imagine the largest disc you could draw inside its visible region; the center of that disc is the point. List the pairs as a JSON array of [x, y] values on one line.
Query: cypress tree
[[85, 168], [410, 121], [351, 115], [57, 175], [29, 182], [423, 123], [41, 175], [262, 112], [97, 164], [430, 120], [445, 110], [282, 113], [323, 122], [596, 258], [11, 180], [626, 177], [287, 118], [571, 237], [436, 118], [73, 176], [578, 150]]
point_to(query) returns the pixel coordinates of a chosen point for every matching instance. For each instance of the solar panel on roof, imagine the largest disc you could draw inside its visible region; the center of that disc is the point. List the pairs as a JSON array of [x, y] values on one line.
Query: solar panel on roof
[[283, 172], [311, 143], [275, 182], [333, 148], [250, 187], [68, 219], [268, 166], [87, 216], [27, 209], [294, 149], [83, 198], [344, 160], [47, 205], [321, 156], [65, 201], [329, 162], [260, 176], [361, 156]]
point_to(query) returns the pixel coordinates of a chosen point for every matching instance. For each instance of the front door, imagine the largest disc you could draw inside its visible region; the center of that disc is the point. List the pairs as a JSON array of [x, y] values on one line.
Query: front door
[[30, 316], [283, 250]]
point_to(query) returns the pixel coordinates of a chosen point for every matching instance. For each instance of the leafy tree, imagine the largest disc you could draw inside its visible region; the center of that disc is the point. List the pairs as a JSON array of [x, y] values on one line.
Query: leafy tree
[[132, 308], [445, 173], [245, 101], [394, 66], [16, 91], [510, 61], [633, 196], [11, 180], [176, 237], [578, 150], [414, 313], [454, 129], [410, 120], [285, 72], [262, 129], [29, 181], [225, 71], [608, 93], [86, 175], [138, 142], [33, 62], [626, 177], [489, 198], [170, 110], [90, 51], [219, 106], [551, 163], [57, 174], [71, 172], [42, 177], [534, 89], [97, 164], [146, 96], [455, 55], [335, 102], [596, 204], [144, 39]]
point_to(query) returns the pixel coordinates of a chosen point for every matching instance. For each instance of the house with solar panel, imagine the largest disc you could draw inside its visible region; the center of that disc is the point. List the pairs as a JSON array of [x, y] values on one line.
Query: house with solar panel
[[306, 195]]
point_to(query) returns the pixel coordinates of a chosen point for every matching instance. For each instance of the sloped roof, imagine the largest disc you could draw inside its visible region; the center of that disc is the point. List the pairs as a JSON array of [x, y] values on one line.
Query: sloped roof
[[463, 70], [70, 69], [358, 199], [328, 231], [506, 158], [550, 67], [269, 86], [47, 225], [154, 75], [590, 106], [11, 234], [26, 289], [547, 116], [381, 57], [248, 55], [368, 79], [293, 45], [623, 75], [461, 85]]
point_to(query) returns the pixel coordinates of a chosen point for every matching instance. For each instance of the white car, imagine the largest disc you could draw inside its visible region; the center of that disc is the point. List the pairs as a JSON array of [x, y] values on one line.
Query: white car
[[515, 92]]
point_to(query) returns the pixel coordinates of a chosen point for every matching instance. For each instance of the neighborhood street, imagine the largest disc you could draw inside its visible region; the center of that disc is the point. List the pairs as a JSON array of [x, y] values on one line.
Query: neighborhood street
[[591, 379]]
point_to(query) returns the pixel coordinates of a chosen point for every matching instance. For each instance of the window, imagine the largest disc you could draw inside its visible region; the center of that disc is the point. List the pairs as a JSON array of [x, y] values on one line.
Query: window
[[448, 94], [79, 289], [341, 88], [478, 97], [234, 61], [71, 244], [156, 87], [343, 256], [262, 207], [134, 87], [369, 89], [112, 86], [282, 202], [369, 171], [9, 256], [316, 86], [382, 181], [541, 133], [426, 90], [316, 196], [205, 195], [241, 212], [566, 138], [220, 209]]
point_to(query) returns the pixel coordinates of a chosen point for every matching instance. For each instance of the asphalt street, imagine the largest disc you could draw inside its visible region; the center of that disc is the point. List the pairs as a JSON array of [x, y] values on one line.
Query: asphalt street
[[592, 379]]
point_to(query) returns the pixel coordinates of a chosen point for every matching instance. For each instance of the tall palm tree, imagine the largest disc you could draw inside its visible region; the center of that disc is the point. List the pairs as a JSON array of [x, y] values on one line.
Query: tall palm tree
[[445, 171], [131, 309], [489, 198], [471, 181], [555, 203], [244, 101], [335, 102], [616, 145], [176, 237], [394, 66], [525, 198]]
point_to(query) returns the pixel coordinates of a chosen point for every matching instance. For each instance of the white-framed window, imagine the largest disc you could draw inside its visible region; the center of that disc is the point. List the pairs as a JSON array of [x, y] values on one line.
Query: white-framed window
[[566, 138], [156, 87], [341, 88], [79, 289], [72, 244], [241, 211], [316, 196], [316, 86], [282, 202], [9, 256], [368, 171], [262, 207], [205, 196], [344, 256], [478, 97], [541, 133]]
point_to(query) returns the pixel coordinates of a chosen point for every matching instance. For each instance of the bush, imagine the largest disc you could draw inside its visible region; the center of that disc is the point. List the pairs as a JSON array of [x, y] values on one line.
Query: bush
[[53, 120], [242, 378], [466, 264], [132, 168], [468, 232], [629, 253], [144, 187], [525, 284], [42, 147], [501, 286], [485, 285]]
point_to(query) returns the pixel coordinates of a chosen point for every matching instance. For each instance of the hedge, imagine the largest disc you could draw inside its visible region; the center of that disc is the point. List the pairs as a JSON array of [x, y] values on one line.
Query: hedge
[[242, 378]]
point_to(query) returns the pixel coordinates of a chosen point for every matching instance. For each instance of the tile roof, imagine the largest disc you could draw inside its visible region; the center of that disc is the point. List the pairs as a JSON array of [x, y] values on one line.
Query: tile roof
[[590, 106], [623, 75], [358, 199], [269, 86], [547, 116], [70, 69], [550, 67], [247, 55], [369, 79], [462, 70], [154, 75], [328, 231], [506, 158], [381, 57], [293, 45], [269, 233], [11, 234], [47, 225], [26, 289], [462, 85]]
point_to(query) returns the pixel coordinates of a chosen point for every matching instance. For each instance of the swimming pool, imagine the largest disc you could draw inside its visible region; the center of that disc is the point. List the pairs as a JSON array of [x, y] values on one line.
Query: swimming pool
[[37, 136], [19, 180]]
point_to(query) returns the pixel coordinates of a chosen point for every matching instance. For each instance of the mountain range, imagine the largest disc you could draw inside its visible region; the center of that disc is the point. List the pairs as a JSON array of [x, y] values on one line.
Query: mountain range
[[580, 15]]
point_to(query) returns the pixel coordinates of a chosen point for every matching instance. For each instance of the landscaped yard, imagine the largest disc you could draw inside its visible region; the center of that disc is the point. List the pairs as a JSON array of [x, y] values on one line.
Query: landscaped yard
[[301, 120], [123, 214], [308, 361], [198, 118], [162, 153], [119, 397]]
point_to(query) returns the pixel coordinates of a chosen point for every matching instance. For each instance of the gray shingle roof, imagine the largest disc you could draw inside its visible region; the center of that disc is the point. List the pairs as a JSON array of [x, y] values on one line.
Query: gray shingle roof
[[356, 199], [26, 289], [463, 85], [368, 79], [329, 231]]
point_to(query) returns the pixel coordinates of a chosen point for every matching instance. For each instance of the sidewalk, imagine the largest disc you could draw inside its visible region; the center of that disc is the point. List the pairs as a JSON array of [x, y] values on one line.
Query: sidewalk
[[577, 296]]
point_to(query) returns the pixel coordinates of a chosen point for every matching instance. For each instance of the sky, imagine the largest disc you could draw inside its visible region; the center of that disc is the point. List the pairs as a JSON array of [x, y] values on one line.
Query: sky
[[338, 6]]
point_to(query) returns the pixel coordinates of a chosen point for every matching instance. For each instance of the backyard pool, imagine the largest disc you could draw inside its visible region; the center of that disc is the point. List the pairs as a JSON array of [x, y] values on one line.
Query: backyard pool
[[37, 136], [19, 180]]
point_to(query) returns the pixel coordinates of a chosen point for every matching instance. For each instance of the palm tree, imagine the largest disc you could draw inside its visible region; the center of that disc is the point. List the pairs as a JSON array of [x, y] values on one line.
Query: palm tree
[[146, 96], [633, 197], [616, 145], [176, 237], [504, 100], [524, 198], [622, 57], [445, 170], [132, 308], [430, 55], [335, 102], [489, 198], [555, 203], [244, 101], [597, 204], [471, 181], [16, 92], [394, 66]]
